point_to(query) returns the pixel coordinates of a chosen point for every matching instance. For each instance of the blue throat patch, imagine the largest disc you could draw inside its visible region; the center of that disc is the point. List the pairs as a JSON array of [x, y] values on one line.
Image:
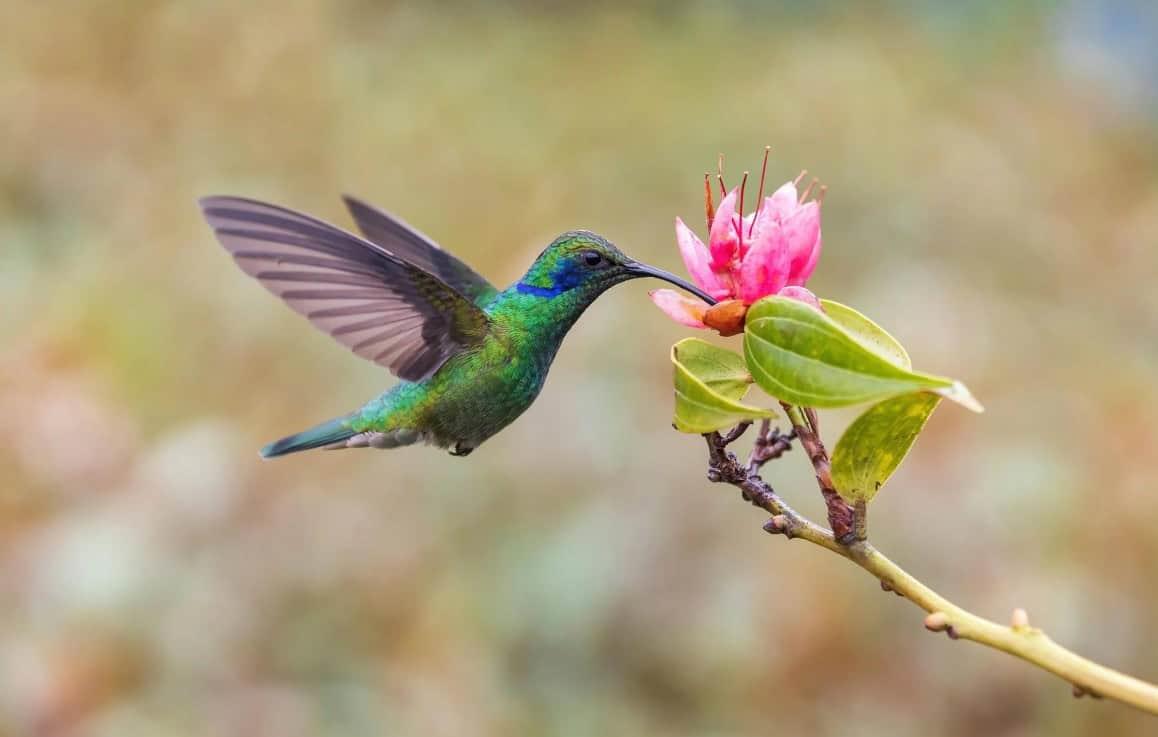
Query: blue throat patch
[[548, 292], [565, 277]]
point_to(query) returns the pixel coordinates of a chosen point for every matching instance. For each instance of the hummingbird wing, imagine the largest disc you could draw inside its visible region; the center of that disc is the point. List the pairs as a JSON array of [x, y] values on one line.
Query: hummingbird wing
[[383, 308], [410, 245]]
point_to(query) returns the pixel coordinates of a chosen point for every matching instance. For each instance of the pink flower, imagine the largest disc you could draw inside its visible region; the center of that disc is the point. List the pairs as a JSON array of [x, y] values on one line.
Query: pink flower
[[770, 251]]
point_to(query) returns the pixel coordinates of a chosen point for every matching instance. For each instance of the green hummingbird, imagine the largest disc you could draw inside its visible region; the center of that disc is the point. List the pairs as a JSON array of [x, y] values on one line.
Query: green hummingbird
[[471, 358]]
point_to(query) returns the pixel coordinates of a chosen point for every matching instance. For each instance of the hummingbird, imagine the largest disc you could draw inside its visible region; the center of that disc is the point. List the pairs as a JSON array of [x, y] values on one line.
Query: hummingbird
[[471, 358]]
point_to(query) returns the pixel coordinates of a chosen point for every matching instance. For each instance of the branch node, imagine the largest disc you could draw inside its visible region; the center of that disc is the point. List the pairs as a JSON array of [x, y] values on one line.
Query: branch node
[[1080, 691], [1020, 620], [937, 622], [848, 538], [777, 525]]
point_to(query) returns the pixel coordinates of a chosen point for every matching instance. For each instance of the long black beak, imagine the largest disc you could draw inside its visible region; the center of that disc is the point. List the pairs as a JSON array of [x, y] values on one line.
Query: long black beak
[[639, 269]]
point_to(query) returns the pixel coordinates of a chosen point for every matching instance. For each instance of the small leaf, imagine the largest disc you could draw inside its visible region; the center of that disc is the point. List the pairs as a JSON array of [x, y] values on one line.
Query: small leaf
[[709, 382], [802, 356], [874, 445], [867, 332]]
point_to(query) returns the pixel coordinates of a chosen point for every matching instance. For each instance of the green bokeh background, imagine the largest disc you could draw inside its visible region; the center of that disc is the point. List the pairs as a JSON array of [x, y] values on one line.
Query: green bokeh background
[[993, 200]]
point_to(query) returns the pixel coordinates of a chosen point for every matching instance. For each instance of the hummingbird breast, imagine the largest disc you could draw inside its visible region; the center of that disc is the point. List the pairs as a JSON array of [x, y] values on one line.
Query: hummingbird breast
[[473, 396], [480, 394]]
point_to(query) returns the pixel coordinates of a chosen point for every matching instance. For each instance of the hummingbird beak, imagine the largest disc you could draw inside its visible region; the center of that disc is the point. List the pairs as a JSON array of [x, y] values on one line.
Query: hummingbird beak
[[635, 268]]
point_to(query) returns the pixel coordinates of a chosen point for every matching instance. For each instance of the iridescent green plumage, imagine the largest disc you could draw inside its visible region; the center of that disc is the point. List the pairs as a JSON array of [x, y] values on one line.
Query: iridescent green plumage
[[472, 358]]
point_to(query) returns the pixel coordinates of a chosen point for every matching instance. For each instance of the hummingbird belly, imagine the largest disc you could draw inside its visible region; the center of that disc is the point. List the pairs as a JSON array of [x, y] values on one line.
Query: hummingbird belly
[[475, 404], [472, 397]]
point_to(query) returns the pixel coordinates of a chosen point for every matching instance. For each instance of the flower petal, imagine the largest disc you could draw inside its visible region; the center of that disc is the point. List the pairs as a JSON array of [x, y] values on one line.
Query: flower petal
[[698, 261], [761, 223], [801, 294], [802, 234], [805, 271], [682, 309], [781, 203], [765, 268], [723, 241], [747, 232]]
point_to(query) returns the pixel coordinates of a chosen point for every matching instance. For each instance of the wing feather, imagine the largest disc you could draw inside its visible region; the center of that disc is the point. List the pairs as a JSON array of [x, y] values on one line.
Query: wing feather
[[382, 306], [407, 243]]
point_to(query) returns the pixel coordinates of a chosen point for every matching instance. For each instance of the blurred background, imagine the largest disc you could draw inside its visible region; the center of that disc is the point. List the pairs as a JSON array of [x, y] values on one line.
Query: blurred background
[[993, 200]]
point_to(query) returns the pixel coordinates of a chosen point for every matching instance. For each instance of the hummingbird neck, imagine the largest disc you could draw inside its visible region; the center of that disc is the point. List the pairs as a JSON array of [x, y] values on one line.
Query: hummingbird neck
[[540, 315]]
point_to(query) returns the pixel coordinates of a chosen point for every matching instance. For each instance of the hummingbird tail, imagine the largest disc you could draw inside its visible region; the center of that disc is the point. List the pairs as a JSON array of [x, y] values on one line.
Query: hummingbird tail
[[327, 433]]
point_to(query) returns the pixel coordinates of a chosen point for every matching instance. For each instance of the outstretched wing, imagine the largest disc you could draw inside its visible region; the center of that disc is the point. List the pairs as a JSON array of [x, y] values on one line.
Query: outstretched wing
[[392, 312], [410, 245]]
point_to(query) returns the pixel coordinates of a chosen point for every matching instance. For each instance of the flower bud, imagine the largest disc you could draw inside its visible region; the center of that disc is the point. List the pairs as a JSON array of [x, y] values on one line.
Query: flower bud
[[727, 317]]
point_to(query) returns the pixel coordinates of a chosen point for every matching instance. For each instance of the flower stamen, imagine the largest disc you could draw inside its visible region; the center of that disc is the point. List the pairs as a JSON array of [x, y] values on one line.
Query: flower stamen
[[709, 208], [799, 177], [720, 174], [808, 190], [740, 220], [760, 197]]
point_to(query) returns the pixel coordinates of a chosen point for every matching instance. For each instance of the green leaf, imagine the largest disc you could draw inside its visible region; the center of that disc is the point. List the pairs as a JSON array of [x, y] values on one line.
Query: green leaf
[[709, 382], [874, 445], [802, 356], [867, 332]]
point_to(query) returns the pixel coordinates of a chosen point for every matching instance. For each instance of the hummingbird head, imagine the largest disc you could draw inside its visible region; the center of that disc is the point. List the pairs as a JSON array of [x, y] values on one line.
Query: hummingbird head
[[583, 265]]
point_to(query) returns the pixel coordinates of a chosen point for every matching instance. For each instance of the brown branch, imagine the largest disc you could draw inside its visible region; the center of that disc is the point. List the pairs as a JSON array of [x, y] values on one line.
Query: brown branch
[[770, 444], [840, 514], [724, 467]]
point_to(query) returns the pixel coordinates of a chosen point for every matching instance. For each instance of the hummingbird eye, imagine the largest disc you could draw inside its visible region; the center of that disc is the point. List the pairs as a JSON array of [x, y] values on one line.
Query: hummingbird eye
[[592, 258]]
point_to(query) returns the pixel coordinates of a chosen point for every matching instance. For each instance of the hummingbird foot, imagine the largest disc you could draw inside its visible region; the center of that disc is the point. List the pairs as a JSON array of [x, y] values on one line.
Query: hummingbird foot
[[461, 449]]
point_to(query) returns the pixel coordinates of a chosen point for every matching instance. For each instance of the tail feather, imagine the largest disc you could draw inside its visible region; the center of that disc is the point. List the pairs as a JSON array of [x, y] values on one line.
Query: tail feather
[[327, 433]]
